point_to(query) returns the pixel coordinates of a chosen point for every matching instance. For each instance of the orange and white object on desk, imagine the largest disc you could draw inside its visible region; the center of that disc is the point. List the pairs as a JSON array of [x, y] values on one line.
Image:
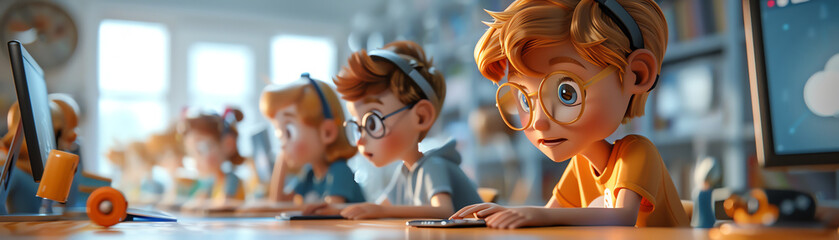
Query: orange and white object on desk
[[765, 213], [58, 175], [106, 206]]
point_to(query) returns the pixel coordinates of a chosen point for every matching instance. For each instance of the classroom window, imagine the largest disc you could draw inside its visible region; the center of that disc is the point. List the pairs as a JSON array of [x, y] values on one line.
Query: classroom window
[[220, 75], [133, 79], [133, 58], [292, 55]]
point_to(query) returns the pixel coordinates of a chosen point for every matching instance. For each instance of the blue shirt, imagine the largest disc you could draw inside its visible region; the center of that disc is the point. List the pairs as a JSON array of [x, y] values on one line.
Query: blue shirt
[[339, 181], [438, 171]]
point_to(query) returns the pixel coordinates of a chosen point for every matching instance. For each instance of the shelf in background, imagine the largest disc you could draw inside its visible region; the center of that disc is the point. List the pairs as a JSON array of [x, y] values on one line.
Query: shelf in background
[[679, 51], [666, 138]]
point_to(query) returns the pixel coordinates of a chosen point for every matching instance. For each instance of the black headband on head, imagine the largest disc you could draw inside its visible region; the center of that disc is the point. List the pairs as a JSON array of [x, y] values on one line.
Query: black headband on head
[[409, 69], [627, 24]]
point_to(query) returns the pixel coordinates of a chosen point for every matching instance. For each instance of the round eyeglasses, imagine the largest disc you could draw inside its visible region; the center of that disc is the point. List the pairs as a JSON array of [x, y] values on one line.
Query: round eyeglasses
[[373, 124], [562, 95]]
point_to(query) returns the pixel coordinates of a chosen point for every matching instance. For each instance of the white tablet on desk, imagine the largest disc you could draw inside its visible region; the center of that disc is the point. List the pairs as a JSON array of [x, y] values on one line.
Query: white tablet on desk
[[298, 215], [448, 223]]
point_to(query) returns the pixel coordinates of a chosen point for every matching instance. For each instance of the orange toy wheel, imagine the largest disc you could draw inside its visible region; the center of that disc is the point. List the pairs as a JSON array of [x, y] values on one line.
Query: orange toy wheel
[[106, 206]]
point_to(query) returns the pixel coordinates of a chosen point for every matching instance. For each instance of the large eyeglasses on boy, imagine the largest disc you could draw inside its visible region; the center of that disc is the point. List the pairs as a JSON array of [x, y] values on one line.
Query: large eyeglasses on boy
[[561, 94]]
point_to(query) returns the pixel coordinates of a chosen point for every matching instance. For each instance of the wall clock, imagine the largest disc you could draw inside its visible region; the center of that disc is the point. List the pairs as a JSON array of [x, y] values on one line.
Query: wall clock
[[44, 28]]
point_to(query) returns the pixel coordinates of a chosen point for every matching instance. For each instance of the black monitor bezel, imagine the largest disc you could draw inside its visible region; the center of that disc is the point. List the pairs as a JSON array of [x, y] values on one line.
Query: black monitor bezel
[[17, 56], [766, 154]]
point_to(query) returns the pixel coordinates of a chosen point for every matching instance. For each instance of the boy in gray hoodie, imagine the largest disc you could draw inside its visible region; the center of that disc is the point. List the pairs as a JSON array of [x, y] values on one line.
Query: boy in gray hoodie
[[395, 94]]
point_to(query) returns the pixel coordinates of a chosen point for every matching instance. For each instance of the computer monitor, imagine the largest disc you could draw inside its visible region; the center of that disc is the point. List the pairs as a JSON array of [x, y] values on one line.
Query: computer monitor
[[794, 73], [34, 107], [263, 158]]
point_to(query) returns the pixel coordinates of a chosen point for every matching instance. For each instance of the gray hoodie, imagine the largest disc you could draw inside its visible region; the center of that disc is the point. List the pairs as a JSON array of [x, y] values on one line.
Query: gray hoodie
[[436, 172]]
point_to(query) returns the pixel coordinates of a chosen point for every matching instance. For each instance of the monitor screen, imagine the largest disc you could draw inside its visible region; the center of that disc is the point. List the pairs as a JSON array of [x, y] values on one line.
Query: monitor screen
[[794, 70], [34, 107], [262, 155], [801, 47]]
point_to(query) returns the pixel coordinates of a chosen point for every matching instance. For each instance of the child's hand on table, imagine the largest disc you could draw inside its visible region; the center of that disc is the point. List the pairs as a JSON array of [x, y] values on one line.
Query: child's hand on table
[[480, 210], [320, 209], [362, 211], [514, 218], [497, 216]]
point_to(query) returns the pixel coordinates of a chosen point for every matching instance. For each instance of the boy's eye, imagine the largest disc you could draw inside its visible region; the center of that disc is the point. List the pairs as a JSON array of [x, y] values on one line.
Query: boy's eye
[[373, 125], [568, 92], [523, 102], [289, 131]]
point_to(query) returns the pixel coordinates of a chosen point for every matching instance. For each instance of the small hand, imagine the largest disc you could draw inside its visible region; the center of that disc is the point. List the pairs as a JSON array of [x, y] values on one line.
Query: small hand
[[480, 210], [320, 209], [514, 218], [362, 211]]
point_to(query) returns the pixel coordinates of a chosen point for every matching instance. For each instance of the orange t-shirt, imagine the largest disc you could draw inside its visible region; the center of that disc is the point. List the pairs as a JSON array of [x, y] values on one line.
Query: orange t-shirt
[[634, 164]]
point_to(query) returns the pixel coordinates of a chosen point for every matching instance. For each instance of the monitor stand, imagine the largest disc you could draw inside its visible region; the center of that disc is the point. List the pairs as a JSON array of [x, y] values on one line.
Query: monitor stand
[[5, 184]]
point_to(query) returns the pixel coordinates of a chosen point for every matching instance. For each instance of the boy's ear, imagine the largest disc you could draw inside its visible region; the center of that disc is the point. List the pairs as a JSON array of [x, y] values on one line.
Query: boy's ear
[[642, 71], [328, 131], [426, 113]]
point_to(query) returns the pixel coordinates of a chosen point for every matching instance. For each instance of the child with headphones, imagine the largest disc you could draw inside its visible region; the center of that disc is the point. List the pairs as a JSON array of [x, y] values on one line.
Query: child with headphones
[[307, 117], [570, 72], [394, 95]]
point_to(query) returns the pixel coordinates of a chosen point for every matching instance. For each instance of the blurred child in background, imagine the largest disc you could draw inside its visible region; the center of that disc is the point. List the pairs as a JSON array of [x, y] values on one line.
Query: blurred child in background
[[210, 139], [307, 117], [167, 150]]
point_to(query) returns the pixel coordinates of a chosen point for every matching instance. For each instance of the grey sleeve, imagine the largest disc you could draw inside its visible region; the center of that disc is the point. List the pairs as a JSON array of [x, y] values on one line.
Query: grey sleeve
[[436, 178]]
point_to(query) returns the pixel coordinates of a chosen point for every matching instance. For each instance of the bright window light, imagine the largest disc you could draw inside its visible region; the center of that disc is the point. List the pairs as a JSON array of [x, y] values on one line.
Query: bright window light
[[292, 55], [223, 75], [144, 117], [121, 122], [220, 75], [220, 69], [133, 66], [133, 57]]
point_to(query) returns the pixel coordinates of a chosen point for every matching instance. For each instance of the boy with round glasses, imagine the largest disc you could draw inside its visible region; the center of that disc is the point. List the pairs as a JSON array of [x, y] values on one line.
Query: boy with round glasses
[[395, 95], [575, 70]]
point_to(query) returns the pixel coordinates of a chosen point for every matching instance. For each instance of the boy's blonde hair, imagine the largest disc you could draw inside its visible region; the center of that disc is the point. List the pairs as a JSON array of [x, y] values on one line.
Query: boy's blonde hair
[[364, 76], [302, 94], [529, 24]]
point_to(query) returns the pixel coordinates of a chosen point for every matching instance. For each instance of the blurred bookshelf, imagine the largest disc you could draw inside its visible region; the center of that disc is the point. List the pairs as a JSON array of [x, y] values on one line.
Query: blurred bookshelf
[[705, 73]]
